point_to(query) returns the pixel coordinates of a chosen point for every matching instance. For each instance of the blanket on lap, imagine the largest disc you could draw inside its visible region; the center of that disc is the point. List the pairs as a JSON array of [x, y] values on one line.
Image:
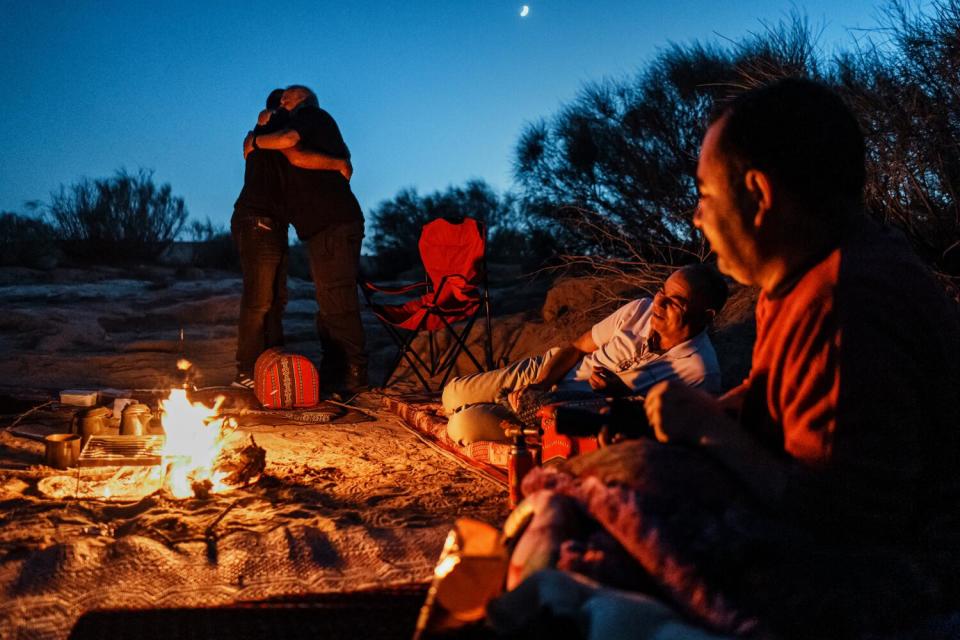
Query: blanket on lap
[[715, 555]]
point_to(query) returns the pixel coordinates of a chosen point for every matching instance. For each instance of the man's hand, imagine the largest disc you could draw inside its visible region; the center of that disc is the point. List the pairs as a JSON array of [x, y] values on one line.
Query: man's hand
[[604, 380], [264, 117], [247, 144], [679, 413]]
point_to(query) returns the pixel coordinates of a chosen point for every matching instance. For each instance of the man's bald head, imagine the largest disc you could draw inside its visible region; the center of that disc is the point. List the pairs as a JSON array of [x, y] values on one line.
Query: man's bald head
[[708, 288]]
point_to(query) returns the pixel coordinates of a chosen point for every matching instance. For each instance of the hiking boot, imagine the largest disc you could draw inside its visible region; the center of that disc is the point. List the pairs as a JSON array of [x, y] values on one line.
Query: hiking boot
[[355, 381], [243, 381]]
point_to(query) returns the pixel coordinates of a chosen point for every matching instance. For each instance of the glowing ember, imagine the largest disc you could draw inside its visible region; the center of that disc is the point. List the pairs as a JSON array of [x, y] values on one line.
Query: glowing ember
[[195, 438], [183, 364]]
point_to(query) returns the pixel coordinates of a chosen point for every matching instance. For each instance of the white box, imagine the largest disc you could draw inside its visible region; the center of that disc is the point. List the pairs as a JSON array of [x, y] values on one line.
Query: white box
[[79, 397]]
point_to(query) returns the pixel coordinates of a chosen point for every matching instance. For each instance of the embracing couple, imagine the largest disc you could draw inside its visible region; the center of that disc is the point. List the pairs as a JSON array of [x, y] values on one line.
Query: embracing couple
[[297, 172]]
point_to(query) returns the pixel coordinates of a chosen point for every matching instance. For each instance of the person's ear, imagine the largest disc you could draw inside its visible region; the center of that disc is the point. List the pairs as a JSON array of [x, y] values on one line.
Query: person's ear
[[709, 315], [760, 188]]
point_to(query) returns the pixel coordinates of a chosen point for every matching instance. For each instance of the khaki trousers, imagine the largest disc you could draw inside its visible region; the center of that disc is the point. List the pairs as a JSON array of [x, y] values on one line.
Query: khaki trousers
[[471, 401]]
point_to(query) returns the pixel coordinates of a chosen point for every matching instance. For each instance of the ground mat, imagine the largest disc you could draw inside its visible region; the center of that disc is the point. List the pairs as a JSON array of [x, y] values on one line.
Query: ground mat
[[424, 415], [340, 508]]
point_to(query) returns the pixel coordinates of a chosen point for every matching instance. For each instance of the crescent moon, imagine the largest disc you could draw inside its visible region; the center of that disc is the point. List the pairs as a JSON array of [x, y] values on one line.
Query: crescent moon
[[524, 11]]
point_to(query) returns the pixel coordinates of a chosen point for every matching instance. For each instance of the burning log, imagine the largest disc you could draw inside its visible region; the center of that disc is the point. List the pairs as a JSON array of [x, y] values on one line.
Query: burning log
[[241, 468], [244, 466]]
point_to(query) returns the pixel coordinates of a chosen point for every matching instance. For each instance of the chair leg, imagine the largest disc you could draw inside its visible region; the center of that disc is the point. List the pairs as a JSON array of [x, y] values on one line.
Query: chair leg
[[404, 353], [413, 358], [461, 340], [459, 346]]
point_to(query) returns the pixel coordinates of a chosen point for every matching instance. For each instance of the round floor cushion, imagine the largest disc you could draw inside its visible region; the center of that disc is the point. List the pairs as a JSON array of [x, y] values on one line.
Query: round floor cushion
[[285, 380]]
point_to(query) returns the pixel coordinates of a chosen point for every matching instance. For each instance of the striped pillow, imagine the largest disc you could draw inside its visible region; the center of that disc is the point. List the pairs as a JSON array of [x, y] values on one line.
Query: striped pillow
[[285, 380]]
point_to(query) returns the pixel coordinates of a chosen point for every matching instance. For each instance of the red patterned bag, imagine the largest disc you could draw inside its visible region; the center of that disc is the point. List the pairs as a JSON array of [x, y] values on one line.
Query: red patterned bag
[[554, 446], [285, 380]]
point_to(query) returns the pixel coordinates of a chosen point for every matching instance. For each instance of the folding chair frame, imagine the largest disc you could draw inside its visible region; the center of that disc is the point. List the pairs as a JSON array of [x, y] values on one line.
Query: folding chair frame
[[437, 361]]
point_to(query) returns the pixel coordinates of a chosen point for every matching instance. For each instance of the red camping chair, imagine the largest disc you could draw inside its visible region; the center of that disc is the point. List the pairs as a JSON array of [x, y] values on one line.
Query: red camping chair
[[454, 258]]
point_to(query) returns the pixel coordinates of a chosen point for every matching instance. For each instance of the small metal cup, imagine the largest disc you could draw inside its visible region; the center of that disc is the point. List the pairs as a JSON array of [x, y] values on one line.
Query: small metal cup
[[61, 450]]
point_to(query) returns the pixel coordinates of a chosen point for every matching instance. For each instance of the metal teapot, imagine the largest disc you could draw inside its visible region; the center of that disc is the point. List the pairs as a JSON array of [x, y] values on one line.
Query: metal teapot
[[135, 420], [91, 422]]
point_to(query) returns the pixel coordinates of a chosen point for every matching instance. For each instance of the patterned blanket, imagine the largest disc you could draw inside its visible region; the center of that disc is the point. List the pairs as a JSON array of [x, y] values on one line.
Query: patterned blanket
[[669, 521], [425, 416]]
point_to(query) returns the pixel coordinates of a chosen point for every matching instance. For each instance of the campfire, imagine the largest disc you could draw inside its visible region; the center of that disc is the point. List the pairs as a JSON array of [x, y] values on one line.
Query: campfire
[[195, 437], [199, 453]]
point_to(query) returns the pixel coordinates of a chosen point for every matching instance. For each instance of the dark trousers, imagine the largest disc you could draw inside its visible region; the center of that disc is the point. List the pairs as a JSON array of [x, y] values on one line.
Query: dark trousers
[[262, 245], [334, 262]]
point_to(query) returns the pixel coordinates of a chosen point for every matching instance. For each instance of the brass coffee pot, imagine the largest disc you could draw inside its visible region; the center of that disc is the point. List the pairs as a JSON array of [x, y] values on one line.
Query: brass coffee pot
[[135, 420], [91, 422]]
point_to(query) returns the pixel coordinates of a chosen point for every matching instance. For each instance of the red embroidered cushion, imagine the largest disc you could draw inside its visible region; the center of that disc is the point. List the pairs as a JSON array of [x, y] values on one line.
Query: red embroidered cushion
[[556, 446], [285, 380]]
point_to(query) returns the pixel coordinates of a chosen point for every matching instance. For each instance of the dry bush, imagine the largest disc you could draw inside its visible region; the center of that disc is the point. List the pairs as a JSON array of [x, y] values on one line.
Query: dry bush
[[122, 219], [26, 241], [902, 84], [612, 174]]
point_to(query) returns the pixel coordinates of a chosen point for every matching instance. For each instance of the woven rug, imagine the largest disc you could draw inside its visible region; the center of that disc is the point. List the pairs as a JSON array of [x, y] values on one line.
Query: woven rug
[[341, 508], [425, 416]]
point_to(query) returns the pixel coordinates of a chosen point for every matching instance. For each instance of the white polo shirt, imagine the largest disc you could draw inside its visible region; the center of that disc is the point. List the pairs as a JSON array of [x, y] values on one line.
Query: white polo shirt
[[621, 340]]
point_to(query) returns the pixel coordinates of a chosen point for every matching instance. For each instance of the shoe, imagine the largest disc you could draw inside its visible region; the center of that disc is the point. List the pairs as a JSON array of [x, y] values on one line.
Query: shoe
[[243, 381], [355, 381]]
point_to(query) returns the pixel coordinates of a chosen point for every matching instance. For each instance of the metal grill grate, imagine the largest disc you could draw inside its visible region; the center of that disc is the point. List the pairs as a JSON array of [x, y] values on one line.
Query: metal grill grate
[[116, 451]]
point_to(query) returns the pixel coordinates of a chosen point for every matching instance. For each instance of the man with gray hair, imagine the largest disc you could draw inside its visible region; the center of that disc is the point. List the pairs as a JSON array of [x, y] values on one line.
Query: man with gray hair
[[328, 218]]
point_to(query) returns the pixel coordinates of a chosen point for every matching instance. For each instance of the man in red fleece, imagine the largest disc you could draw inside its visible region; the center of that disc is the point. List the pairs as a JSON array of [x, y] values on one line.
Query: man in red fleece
[[848, 423], [833, 511]]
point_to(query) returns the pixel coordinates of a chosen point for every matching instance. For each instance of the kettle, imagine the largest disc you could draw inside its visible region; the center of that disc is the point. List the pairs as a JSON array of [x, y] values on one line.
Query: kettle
[[135, 420], [91, 422]]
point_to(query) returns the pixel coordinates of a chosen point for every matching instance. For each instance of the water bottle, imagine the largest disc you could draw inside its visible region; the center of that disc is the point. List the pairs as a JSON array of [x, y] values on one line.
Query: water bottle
[[519, 464]]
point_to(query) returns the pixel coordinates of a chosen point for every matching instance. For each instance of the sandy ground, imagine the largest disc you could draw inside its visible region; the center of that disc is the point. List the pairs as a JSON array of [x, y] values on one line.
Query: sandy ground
[[340, 506]]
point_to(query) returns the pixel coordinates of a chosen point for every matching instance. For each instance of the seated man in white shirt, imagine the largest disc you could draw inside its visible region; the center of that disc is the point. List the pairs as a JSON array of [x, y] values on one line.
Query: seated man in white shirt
[[641, 343]]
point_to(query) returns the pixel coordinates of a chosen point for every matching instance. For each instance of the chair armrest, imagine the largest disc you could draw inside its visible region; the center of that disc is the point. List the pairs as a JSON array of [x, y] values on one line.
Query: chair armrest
[[466, 287], [369, 286]]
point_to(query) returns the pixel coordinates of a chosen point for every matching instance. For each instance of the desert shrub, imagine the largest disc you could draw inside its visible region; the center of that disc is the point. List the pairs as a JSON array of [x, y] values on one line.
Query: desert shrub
[[26, 241], [905, 95], [125, 218], [614, 170]]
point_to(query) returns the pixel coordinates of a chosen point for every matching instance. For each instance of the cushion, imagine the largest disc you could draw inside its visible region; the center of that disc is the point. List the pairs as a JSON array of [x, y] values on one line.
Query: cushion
[[284, 380]]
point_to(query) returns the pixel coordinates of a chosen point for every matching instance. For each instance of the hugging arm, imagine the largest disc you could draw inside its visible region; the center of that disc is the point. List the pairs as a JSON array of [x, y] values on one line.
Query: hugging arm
[[287, 142], [305, 159]]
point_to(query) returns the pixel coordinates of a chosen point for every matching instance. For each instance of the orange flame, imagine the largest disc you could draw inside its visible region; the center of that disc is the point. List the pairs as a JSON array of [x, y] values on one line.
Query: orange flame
[[195, 438]]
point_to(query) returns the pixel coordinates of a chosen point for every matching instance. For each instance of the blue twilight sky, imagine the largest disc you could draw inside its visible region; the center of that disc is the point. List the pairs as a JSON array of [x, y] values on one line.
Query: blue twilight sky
[[427, 94]]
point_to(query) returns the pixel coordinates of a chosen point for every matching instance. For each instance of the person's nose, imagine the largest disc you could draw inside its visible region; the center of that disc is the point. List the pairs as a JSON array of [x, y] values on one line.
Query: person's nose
[[659, 299], [698, 216]]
